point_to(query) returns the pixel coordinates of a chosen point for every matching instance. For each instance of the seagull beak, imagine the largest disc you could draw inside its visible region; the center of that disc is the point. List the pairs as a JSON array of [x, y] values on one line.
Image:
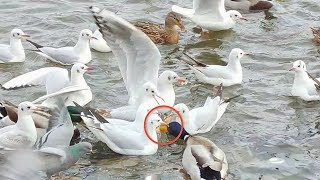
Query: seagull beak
[[25, 35], [39, 108], [155, 98], [292, 69], [248, 54], [92, 37], [242, 18], [182, 81], [89, 68]]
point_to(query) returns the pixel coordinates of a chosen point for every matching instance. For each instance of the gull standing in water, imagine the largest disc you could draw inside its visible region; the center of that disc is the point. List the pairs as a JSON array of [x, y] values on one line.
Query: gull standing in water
[[228, 75], [56, 79], [210, 14], [137, 56], [13, 52], [80, 53], [99, 44], [304, 85]]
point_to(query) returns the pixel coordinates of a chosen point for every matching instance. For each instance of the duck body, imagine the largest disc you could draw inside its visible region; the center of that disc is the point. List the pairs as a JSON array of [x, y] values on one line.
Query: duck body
[[246, 5]]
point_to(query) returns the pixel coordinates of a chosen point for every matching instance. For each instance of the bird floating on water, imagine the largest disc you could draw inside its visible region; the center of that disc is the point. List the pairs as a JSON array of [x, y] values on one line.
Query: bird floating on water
[[99, 44]]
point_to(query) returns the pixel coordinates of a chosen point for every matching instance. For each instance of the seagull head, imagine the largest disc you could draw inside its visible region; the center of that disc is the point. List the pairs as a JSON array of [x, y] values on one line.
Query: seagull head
[[87, 34], [18, 34], [236, 15], [298, 66], [183, 110], [237, 53], [154, 120], [80, 68], [151, 90], [26, 108], [171, 77]]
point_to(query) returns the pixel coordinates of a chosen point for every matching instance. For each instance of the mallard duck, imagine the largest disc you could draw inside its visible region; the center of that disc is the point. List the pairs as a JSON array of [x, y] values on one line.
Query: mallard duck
[[316, 34], [202, 159], [163, 35], [253, 5]]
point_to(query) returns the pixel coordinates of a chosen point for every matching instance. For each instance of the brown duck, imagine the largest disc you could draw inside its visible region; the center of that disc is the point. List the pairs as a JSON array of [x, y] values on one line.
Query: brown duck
[[163, 35], [316, 34]]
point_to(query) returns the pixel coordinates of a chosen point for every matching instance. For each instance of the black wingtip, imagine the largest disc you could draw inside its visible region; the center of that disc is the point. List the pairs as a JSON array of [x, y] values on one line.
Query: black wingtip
[[194, 60], [230, 99], [220, 90], [38, 46]]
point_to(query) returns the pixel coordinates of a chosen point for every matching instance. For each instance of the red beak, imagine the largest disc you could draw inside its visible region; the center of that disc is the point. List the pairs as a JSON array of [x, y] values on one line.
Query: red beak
[[89, 68], [181, 81], [92, 37], [245, 19]]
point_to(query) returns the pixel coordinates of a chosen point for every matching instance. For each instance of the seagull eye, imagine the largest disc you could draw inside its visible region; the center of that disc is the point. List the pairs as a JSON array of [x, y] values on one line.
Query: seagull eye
[[152, 91], [183, 111], [169, 78], [241, 53], [299, 66], [147, 89], [158, 120], [236, 15], [18, 34], [174, 77], [28, 107], [82, 67]]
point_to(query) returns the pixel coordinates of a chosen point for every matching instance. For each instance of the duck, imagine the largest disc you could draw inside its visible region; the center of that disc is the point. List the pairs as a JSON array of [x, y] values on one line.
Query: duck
[[210, 15], [163, 35], [316, 34], [14, 52], [125, 141], [304, 85], [80, 53], [228, 75], [56, 79], [246, 5], [202, 158], [99, 44]]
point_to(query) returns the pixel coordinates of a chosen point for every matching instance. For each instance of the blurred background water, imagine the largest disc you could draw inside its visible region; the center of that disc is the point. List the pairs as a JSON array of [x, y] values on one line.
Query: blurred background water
[[265, 122]]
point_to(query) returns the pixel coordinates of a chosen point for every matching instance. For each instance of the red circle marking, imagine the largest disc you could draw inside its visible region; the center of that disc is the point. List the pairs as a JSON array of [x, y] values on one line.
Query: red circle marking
[[145, 125]]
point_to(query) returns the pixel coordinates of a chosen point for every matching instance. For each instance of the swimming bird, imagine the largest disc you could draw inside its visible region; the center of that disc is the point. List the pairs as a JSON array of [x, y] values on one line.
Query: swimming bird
[[202, 119], [210, 15], [56, 79], [304, 85], [13, 52], [138, 57], [99, 44], [122, 140], [228, 75], [23, 134], [163, 35], [246, 5], [80, 53], [202, 159]]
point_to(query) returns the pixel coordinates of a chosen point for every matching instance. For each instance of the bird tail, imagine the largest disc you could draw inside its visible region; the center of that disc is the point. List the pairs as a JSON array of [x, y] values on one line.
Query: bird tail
[[38, 46], [183, 11]]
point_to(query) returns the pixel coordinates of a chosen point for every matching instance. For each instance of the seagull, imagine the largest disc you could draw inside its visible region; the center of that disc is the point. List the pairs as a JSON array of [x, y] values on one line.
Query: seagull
[[210, 15], [23, 134], [228, 75], [60, 129], [99, 44], [56, 79], [13, 52], [304, 85], [246, 5], [138, 57], [202, 119], [202, 159], [125, 141], [80, 53]]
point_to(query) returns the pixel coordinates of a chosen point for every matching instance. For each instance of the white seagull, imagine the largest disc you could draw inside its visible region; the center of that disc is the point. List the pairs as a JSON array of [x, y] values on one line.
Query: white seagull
[[138, 57], [246, 5], [99, 44], [304, 85], [80, 53], [125, 141], [228, 75], [13, 52], [23, 134], [56, 79], [202, 119], [210, 14]]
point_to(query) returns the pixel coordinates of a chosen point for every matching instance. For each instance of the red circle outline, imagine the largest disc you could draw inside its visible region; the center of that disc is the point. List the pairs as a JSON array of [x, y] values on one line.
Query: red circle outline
[[145, 125]]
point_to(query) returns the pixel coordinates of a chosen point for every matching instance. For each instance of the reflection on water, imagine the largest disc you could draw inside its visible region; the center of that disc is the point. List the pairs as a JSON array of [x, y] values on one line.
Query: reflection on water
[[265, 122]]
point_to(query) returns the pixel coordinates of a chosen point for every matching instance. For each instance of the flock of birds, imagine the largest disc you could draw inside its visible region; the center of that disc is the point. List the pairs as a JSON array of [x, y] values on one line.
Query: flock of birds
[[45, 126]]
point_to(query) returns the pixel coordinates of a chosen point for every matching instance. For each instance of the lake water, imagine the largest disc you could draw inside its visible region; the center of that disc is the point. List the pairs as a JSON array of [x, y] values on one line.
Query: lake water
[[264, 122]]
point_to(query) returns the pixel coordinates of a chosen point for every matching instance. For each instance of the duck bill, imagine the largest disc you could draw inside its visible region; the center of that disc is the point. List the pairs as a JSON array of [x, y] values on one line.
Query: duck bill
[[182, 28], [163, 128]]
